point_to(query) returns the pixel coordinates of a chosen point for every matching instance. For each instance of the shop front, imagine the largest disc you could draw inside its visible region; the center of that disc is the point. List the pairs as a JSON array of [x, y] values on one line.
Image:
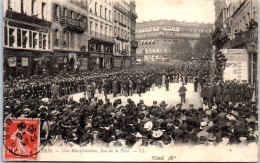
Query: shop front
[[25, 63]]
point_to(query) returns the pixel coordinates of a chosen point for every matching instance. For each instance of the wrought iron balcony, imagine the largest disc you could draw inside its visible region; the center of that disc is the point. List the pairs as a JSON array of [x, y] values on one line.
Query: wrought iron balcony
[[121, 8], [243, 38], [73, 24], [101, 37], [22, 17]]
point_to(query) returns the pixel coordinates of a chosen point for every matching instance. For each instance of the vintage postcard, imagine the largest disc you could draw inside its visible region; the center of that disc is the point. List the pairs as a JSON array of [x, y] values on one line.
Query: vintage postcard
[[130, 80]]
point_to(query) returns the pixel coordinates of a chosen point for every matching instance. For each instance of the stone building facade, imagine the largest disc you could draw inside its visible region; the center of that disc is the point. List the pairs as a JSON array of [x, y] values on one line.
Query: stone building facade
[[236, 28], [155, 38], [27, 37]]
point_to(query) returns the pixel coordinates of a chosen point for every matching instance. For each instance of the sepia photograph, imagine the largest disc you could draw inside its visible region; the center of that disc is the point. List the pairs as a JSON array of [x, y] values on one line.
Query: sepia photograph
[[130, 80]]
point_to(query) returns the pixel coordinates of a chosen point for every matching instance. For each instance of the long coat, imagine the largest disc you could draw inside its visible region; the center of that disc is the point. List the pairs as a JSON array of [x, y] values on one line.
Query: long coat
[[115, 86], [219, 94], [89, 91], [138, 86], [226, 95]]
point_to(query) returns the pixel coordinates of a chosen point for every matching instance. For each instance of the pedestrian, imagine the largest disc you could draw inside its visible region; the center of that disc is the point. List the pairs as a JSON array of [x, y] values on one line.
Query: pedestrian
[[167, 82], [182, 93], [196, 81]]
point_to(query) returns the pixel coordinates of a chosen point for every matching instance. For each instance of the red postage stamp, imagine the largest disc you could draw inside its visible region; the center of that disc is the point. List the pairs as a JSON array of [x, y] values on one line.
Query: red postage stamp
[[21, 139]]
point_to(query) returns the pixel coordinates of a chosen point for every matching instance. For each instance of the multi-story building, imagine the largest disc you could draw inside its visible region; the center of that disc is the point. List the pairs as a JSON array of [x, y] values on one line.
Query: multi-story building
[[27, 37], [236, 28], [100, 42], [133, 17], [155, 38], [69, 34], [121, 29]]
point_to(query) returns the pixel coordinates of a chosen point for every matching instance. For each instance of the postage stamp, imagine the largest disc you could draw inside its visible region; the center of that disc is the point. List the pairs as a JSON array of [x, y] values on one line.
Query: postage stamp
[[21, 139]]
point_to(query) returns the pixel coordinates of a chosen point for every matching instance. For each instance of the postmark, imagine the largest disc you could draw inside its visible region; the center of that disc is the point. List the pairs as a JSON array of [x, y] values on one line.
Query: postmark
[[21, 139]]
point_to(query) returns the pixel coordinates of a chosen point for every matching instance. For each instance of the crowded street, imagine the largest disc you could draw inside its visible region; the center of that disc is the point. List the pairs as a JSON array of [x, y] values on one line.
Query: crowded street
[[168, 80]]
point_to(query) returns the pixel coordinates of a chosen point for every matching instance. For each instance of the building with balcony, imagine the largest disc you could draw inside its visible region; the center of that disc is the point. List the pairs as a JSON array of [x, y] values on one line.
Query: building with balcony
[[133, 17], [236, 28], [121, 30], [69, 35], [155, 38], [100, 41], [27, 40]]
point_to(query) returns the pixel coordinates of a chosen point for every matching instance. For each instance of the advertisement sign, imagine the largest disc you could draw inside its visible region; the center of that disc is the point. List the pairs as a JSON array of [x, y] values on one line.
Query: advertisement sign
[[12, 61], [84, 64], [236, 65], [24, 61], [117, 62]]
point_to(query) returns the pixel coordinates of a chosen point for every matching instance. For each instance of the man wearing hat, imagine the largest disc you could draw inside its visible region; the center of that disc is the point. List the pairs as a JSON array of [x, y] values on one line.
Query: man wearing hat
[[182, 93]]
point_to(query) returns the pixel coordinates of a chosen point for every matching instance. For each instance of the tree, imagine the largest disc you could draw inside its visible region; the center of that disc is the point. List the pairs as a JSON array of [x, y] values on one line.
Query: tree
[[203, 47], [181, 50]]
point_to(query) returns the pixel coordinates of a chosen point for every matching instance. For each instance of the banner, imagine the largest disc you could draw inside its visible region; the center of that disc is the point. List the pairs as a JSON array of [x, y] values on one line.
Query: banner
[[236, 65]]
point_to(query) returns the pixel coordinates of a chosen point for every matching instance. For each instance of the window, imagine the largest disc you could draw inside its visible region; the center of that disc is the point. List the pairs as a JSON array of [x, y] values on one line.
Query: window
[[9, 4], [11, 37], [44, 41], [33, 7], [101, 29], [95, 8], [55, 36], [115, 31], [30, 39], [18, 37], [106, 13], [22, 9], [90, 26], [34, 40], [72, 41], [40, 40], [96, 28], [64, 12], [118, 18], [109, 15], [24, 39], [55, 11], [100, 11], [6, 35], [105, 30], [115, 15], [43, 10]]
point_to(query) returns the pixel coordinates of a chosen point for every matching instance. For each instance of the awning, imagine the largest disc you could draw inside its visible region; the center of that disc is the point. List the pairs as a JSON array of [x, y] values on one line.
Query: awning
[[149, 41], [152, 41], [142, 42], [145, 41]]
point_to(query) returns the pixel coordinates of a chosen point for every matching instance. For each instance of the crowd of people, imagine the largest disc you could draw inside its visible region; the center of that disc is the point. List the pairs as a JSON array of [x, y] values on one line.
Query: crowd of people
[[227, 119]]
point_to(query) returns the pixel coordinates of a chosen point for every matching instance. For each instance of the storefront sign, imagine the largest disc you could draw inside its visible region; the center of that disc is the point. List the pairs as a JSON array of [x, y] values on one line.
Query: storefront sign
[[24, 61], [12, 61], [236, 65]]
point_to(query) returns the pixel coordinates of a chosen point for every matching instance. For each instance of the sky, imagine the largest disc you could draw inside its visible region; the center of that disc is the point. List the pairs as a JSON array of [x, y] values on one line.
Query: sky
[[201, 11]]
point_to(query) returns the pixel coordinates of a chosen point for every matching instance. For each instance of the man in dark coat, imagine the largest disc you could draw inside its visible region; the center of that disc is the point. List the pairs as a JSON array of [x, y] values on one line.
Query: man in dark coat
[[196, 81], [167, 82], [182, 93]]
